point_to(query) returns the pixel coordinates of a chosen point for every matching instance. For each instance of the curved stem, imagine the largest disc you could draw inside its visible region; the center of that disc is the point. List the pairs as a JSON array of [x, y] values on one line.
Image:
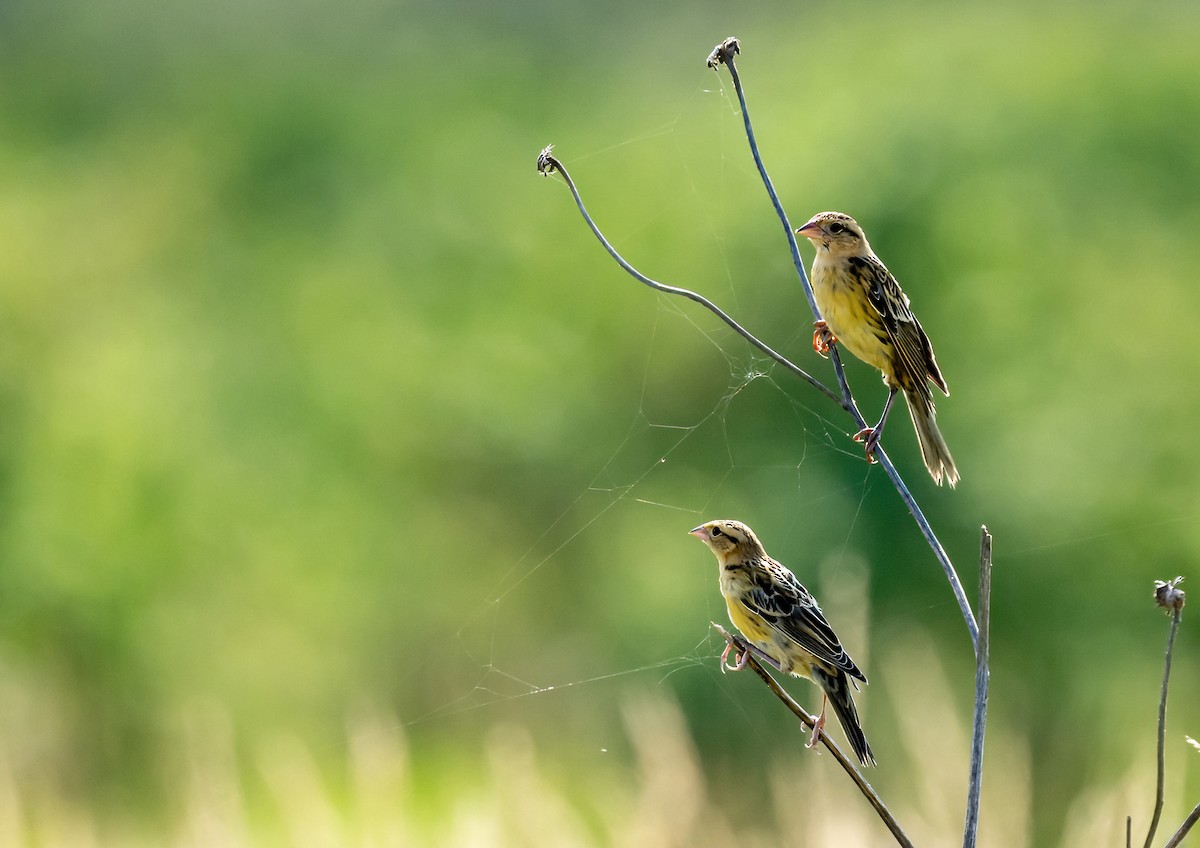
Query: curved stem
[[1162, 726], [724, 54], [548, 164]]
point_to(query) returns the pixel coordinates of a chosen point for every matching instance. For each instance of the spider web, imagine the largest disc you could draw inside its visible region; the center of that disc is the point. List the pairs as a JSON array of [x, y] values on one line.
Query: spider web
[[713, 430], [685, 457], [711, 449]]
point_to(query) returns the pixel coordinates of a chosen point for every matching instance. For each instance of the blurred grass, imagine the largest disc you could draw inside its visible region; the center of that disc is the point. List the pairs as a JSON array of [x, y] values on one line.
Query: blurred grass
[[311, 393]]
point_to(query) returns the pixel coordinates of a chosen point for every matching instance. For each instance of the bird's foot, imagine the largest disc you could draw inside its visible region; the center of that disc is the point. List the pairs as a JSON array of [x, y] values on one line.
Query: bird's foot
[[823, 338], [818, 729], [869, 438], [740, 659]]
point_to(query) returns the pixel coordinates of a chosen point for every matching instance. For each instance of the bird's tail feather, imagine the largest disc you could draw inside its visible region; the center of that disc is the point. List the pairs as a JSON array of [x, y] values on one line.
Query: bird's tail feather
[[933, 446], [837, 689]]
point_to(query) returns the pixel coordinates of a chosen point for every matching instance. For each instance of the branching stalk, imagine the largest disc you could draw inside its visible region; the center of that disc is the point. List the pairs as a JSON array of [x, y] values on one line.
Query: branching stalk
[[547, 164], [724, 55]]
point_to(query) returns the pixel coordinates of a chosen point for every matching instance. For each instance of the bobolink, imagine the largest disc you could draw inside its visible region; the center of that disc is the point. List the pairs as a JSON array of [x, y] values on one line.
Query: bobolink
[[863, 307], [779, 617]]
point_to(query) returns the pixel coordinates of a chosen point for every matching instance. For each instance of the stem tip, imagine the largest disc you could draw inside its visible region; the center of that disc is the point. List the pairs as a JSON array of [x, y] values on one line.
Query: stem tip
[[546, 163], [724, 52], [1167, 596]]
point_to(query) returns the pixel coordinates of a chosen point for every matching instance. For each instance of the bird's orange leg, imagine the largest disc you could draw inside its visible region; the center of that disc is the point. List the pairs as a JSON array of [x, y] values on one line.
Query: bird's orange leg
[[819, 725], [823, 337], [870, 436]]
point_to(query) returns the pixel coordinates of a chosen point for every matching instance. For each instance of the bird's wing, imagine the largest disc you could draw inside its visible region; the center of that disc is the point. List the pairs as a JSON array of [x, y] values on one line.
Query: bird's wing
[[903, 328], [779, 598]]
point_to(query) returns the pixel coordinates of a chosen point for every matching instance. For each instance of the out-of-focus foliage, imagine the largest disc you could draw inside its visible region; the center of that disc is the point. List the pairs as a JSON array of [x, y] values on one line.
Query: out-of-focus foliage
[[316, 402]]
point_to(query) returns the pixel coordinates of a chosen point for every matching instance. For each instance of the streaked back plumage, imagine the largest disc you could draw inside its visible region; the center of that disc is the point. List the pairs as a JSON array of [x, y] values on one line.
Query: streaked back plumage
[[779, 616], [865, 308]]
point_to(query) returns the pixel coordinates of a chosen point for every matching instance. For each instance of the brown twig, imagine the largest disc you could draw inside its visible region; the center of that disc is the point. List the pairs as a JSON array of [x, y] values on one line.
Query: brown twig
[[1177, 839], [810, 722]]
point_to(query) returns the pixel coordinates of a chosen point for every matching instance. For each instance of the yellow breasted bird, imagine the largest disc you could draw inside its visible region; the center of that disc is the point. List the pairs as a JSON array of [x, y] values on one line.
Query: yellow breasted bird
[[779, 617], [863, 307]]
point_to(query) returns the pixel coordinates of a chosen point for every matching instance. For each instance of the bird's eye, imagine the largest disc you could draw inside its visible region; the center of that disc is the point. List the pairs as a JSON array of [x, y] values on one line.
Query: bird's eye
[[716, 531], [836, 228]]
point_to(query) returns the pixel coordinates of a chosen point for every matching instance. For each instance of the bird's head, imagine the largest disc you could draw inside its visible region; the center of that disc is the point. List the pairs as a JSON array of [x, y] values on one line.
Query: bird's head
[[726, 538], [837, 233]]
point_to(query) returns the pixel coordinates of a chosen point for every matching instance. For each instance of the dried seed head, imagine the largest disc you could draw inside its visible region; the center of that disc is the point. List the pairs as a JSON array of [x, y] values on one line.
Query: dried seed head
[[723, 52], [546, 163], [1167, 596]]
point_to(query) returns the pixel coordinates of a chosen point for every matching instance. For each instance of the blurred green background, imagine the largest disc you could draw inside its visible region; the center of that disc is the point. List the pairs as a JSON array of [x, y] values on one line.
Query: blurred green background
[[330, 438]]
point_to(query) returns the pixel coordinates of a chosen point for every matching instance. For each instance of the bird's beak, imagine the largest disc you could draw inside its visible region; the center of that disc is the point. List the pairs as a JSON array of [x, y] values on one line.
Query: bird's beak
[[810, 230], [699, 532]]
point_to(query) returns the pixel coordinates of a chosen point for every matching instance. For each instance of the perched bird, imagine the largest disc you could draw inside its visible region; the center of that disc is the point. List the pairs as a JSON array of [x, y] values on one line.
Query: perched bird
[[863, 308], [781, 619]]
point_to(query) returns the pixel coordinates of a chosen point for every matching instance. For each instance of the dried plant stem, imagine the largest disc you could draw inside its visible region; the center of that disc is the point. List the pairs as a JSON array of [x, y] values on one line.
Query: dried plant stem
[[724, 54], [547, 164], [1187, 825], [1162, 724], [982, 677], [810, 722]]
